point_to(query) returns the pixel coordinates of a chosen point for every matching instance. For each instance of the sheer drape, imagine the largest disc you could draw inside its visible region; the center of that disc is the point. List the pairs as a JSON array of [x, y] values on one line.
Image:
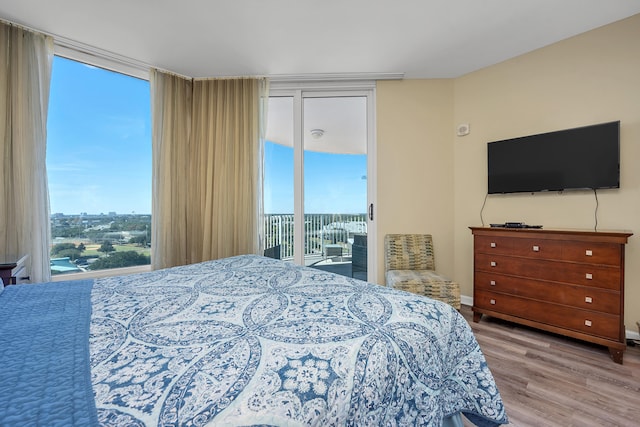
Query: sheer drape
[[25, 74], [171, 115], [207, 171]]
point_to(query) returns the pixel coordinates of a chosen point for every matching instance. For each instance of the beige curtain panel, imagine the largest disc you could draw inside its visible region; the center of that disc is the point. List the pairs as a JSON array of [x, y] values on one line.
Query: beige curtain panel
[[207, 183], [25, 74], [171, 118]]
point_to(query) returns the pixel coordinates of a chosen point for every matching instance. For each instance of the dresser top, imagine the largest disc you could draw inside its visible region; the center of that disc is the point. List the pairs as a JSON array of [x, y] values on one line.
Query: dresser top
[[617, 236]]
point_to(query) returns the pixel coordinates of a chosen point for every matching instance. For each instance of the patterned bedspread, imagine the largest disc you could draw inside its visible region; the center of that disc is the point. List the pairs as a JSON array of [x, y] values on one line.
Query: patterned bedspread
[[250, 340]]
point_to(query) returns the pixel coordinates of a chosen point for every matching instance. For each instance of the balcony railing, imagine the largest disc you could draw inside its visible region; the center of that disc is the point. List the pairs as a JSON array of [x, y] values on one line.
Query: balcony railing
[[335, 230]]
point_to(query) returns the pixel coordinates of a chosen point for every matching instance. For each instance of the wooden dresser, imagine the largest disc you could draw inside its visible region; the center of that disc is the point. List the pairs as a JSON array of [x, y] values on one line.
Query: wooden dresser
[[563, 281]]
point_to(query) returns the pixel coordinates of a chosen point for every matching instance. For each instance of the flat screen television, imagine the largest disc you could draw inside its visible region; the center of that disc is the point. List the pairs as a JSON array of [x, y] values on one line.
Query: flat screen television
[[573, 159]]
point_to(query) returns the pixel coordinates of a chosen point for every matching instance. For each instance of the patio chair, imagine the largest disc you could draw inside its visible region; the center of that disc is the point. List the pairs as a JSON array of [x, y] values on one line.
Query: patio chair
[[409, 265], [359, 256], [273, 252]]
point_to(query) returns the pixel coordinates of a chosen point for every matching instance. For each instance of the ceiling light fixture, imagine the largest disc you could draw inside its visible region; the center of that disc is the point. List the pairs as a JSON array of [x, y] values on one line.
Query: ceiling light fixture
[[316, 133]]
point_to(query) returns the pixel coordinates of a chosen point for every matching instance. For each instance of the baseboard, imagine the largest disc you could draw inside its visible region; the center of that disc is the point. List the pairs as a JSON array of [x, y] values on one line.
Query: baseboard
[[465, 300], [632, 335], [629, 334]]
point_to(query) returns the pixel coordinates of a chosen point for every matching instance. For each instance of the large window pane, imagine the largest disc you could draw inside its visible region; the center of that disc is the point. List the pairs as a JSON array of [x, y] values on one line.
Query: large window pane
[[99, 168]]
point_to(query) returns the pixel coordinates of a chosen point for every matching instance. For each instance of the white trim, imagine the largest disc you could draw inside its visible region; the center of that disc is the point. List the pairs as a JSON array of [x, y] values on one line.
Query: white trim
[[100, 58], [298, 179], [372, 185], [466, 300], [315, 85], [342, 77], [100, 62]]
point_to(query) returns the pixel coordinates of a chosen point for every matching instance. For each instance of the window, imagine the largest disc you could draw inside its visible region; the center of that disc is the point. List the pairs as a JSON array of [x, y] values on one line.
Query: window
[[99, 168]]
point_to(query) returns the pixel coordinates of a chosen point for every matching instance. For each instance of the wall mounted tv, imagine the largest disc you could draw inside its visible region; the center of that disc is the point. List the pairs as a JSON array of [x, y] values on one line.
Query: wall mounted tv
[[573, 159]]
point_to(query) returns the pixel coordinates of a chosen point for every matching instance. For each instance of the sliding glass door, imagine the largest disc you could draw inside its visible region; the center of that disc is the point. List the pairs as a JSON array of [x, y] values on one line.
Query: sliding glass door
[[335, 180], [317, 192]]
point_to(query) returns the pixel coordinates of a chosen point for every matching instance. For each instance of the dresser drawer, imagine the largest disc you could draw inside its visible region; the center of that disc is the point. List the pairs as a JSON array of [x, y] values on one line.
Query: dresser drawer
[[533, 248], [592, 252], [585, 321], [596, 299], [600, 276]]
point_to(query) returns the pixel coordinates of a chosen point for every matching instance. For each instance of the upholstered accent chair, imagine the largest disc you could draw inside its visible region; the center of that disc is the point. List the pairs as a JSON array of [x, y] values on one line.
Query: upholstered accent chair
[[409, 264]]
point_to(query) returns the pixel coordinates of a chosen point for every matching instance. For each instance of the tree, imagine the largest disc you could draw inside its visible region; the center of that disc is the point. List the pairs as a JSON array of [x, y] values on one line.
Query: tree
[[61, 247], [120, 259], [142, 240], [63, 250], [106, 247]]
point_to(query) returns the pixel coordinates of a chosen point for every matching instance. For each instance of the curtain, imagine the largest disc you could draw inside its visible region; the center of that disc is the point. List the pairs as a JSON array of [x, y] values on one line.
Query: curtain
[[207, 149], [25, 74], [171, 128]]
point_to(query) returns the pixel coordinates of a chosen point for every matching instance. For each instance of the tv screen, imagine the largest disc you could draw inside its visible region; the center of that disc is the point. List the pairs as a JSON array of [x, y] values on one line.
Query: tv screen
[[581, 158]]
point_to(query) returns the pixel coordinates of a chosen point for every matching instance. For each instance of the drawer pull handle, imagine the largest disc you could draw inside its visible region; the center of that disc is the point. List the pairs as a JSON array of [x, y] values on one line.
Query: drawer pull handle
[[589, 276], [493, 244], [588, 300], [493, 302], [588, 252], [492, 283], [587, 323], [536, 249], [493, 264]]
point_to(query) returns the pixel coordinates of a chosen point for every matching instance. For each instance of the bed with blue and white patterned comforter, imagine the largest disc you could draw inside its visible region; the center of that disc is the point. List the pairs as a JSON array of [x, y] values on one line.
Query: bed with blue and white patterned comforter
[[250, 340]]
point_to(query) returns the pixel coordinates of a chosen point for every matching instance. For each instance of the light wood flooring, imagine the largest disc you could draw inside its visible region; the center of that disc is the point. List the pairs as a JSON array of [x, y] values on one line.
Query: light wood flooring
[[550, 380]]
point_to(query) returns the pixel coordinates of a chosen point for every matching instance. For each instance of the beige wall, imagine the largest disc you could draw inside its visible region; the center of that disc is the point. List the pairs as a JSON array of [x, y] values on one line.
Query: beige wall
[[415, 191], [588, 79]]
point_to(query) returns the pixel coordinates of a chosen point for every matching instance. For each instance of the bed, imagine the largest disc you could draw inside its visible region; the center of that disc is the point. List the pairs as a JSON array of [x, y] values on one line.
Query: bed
[[242, 341]]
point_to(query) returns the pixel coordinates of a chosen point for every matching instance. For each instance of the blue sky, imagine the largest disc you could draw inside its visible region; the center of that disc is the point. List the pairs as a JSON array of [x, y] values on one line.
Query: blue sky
[[98, 141], [99, 152], [334, 183]]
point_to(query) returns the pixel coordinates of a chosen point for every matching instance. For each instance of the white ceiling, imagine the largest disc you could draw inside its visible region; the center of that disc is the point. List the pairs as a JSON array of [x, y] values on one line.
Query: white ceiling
[[214, 38], [420, 38]]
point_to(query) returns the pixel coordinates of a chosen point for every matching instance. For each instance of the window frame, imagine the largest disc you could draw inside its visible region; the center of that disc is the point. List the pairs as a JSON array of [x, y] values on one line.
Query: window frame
[[300, 87], [117, 64]]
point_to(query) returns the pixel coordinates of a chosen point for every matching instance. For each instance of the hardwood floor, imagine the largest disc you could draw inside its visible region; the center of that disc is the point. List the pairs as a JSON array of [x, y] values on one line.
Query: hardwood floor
[[550, 380]]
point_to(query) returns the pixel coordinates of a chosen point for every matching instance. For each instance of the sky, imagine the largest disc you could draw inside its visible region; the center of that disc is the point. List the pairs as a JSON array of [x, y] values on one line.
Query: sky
[[334, 183], [99, 152], [98, 141]]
